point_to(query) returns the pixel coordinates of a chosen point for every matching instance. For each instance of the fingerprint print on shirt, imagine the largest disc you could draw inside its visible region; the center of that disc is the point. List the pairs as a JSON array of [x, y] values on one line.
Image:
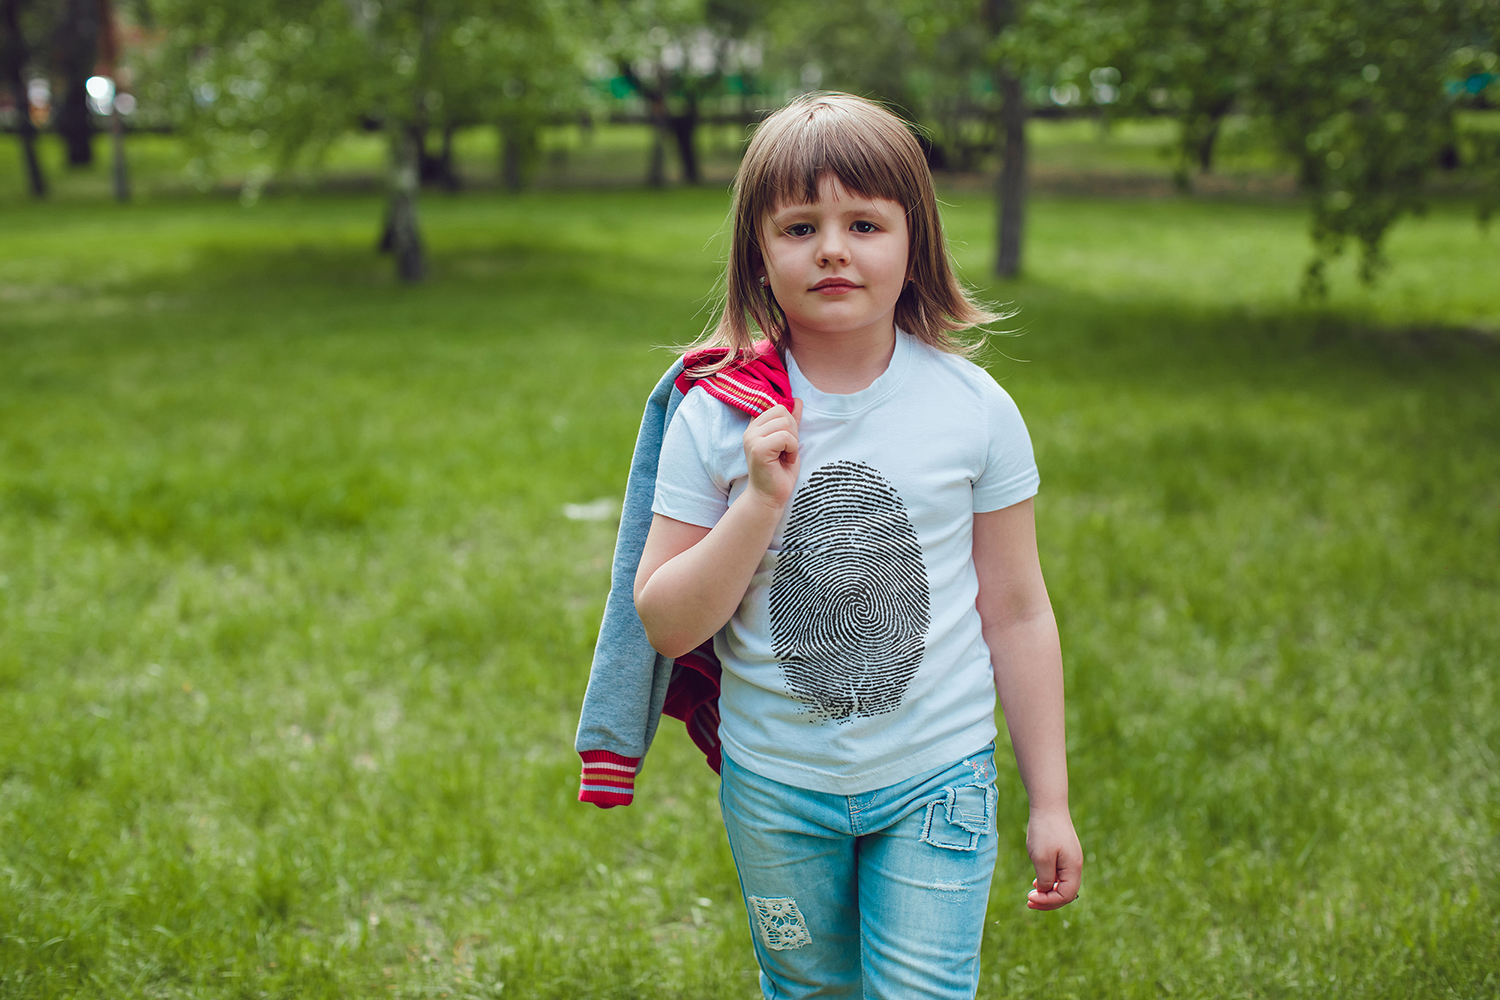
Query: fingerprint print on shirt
[[849, 603]]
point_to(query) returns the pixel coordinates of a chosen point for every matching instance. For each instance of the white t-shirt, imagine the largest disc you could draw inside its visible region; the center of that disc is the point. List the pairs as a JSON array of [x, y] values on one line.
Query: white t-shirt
[[855, 659]]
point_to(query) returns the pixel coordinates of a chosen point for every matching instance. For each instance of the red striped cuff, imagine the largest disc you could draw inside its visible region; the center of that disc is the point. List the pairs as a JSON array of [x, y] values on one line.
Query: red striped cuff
[[608, 779]]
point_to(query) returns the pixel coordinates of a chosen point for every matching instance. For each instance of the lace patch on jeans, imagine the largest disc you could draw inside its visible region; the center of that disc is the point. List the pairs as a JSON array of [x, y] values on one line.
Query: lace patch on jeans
[[781, 925]]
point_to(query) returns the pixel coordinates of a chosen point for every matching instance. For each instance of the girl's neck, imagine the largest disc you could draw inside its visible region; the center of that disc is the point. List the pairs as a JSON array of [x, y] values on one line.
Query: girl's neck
[[841, 364]]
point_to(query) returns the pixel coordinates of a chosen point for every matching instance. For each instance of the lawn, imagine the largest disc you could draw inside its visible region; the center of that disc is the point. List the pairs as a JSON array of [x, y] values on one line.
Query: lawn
[[293, 631]]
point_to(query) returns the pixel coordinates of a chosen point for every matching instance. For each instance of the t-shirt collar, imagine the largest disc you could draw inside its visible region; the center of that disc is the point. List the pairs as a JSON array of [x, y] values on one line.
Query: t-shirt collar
[[843, 404]]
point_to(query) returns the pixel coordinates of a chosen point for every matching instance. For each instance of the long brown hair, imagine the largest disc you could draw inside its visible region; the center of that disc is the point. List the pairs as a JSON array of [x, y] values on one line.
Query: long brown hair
[[874, 155]]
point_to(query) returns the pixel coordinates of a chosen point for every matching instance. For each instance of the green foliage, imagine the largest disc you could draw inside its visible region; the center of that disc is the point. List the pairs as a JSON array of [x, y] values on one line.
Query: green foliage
[[303, 74], [923, 57], [1356, 94], [293, 631], [1360, 96]]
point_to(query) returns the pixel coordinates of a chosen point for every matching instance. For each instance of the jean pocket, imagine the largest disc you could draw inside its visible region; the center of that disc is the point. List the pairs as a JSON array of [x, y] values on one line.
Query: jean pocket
[[957, 821]]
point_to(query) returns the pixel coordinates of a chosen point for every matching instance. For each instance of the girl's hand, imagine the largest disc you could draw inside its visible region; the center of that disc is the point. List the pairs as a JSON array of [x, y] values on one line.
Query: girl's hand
[[771, 453], [1058, 858]]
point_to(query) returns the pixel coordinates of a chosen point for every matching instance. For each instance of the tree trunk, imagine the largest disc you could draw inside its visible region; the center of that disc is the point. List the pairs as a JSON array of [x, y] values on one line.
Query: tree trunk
[[27, 134], [436, 171], [656, 167], [1010, 187], [13, 56], [450, 179], [518, 148], [109, 51], [1206, 143], [684, 129], [118, 171], [402, 237], [77, 50]]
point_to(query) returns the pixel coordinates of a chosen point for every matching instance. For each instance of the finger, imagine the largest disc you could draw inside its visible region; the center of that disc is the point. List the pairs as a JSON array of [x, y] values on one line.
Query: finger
[[766, 416], [772, 419], [1046, 869], [773, 446], [1044, 899], [1069, 876], [789, 449]]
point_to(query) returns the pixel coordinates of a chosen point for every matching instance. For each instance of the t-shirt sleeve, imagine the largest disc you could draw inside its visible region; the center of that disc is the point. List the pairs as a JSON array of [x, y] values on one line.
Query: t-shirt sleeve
[[691, 482], [1010, 474]]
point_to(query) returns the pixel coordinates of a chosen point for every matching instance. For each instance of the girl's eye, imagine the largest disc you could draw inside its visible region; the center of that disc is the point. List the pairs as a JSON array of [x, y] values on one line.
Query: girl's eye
[[799, 229], [864, 227]]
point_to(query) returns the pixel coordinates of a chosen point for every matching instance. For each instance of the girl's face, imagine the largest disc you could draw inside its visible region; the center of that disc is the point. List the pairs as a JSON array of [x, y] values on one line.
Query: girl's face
[[837, 265]]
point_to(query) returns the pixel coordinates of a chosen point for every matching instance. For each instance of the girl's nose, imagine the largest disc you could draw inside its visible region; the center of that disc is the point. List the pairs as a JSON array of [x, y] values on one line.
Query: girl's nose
[[833, 248]]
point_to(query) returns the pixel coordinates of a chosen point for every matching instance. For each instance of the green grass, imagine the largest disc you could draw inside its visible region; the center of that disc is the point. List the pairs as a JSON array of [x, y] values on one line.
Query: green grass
[[293, 632], [172, 165]]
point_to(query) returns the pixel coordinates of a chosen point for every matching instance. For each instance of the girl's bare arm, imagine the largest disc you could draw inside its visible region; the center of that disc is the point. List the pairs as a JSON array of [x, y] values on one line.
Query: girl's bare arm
[[1021, 633], [692, 578]]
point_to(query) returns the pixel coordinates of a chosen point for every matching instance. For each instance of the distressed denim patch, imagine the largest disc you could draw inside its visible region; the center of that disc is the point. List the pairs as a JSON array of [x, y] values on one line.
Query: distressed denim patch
[[957, 820], [780, 923]]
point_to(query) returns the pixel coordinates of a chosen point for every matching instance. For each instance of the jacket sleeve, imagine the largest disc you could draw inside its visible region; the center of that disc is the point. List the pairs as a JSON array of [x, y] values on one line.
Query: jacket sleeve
[[628, 679]]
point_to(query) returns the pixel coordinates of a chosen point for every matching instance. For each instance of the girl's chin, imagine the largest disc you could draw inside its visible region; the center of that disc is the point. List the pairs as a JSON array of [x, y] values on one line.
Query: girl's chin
[[825, 327]]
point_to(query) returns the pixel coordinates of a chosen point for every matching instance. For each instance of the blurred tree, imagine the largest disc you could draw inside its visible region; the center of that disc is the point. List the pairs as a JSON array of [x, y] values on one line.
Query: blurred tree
[[15, 60], [1038, 46], [1010, 183], [1357, 95], [676, 54], [76, 49], [109, 67], [516, 67], [924, 58], [298, 74], [1194, 60], [1361, 95]]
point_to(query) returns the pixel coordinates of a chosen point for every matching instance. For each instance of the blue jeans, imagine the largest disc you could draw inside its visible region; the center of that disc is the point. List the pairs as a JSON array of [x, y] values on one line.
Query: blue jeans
[[880, 895]]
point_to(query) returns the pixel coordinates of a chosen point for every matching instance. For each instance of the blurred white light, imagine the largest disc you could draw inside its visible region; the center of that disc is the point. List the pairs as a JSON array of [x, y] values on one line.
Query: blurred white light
[[812, 75], [750, 55], [1103, 93], [1065, 94], [101, 94], [125, 104], [603, 509], [1104, 76], [702, 53], [39, 92]]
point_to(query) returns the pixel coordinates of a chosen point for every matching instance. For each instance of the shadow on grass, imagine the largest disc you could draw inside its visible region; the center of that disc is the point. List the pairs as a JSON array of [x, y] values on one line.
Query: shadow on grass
[[1082, 331]]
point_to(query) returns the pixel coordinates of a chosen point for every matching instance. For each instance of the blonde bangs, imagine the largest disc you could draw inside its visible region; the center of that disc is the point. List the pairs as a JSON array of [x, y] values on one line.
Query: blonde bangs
[[870, 158]]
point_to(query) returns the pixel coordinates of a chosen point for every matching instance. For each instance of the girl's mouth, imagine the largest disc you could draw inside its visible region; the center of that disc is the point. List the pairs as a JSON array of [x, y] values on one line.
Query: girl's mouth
[[834, 286]]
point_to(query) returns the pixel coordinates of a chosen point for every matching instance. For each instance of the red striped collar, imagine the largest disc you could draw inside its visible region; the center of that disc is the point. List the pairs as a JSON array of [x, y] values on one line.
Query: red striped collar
[[753, 385]]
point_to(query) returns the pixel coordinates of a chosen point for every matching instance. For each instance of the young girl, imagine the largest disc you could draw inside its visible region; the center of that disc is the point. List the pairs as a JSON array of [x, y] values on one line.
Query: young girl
[[866, 566]]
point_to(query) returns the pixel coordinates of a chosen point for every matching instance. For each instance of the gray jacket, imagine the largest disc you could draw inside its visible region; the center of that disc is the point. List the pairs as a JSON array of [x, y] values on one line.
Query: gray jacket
[[628, 679]]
